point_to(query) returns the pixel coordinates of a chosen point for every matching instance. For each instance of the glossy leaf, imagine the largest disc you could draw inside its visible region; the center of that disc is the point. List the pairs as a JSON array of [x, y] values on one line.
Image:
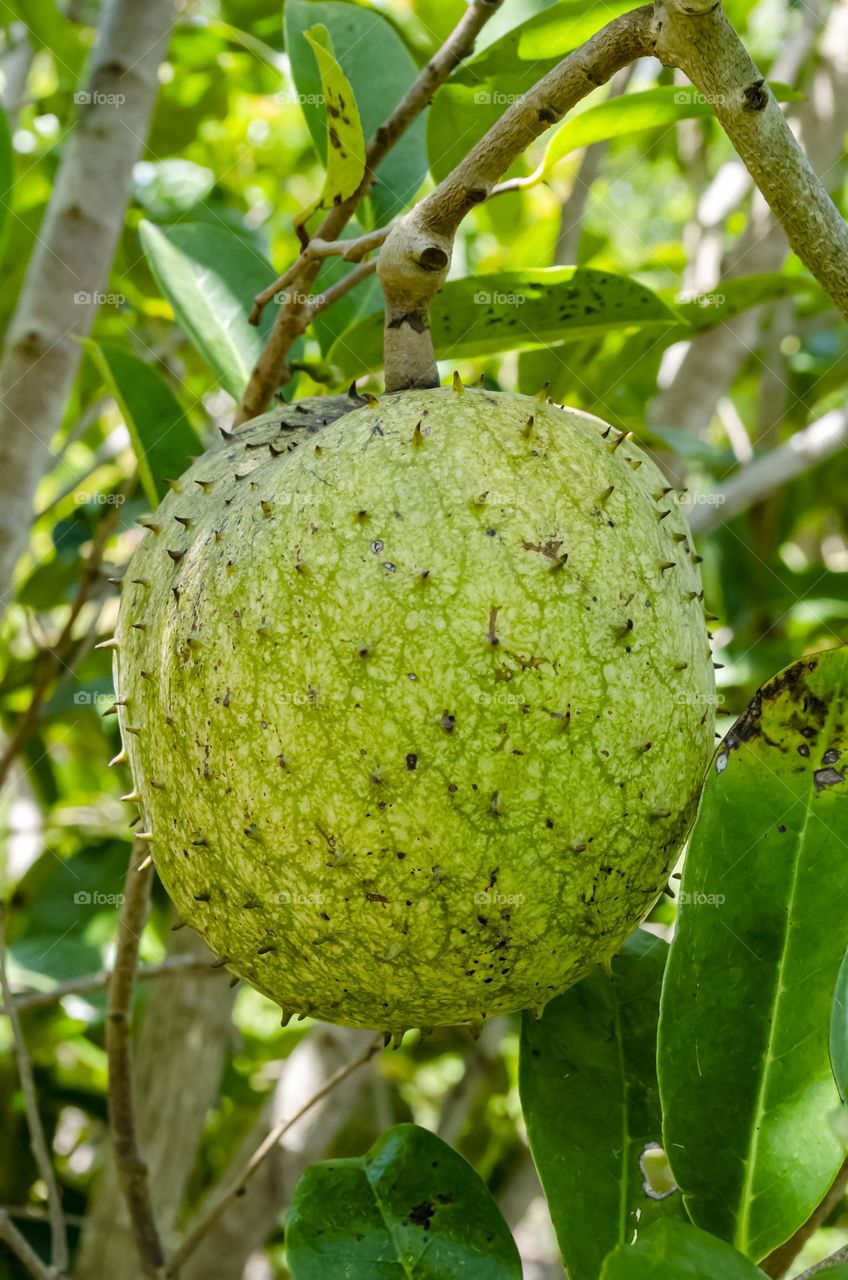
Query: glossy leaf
[[411, 1209], [380, 69], [588, 1084], [839, 1031], [745, 1076], [481, 88], [514, 311], [672, 1250], [629, 113], [163, 437], [345, 146], [210, 276]]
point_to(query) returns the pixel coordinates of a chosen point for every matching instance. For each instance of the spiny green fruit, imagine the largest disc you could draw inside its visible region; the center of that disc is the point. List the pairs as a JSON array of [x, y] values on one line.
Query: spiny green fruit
[[417, 706]]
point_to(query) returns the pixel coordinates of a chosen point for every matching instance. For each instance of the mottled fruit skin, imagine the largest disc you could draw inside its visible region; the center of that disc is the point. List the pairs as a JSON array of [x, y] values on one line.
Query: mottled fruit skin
[[417, 705]]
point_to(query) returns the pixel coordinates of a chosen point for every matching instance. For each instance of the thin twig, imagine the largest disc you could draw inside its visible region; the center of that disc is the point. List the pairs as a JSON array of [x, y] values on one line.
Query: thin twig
[[23, 1250], [779, 1261], [317, 251], [132, 1171], [262, 1152], [343, 286], [841, 1255], [769, 471], [415, 259], [98, 981], [38, 1142], [53, 658], [292, 319]]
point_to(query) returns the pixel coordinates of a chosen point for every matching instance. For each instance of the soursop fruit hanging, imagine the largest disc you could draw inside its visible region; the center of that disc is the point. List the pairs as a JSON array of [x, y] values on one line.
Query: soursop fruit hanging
[[417, 707]]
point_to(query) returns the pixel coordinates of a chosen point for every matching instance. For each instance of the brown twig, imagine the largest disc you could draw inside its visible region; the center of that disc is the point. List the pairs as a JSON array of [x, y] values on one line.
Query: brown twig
[[23, 1250], [779, 1261], [415, 259], [132, 1171], [341, 287], [290, 323], [317, 251], [38, 1141], [841, 1255], [98, 981], [262, 1152], [53, 658]]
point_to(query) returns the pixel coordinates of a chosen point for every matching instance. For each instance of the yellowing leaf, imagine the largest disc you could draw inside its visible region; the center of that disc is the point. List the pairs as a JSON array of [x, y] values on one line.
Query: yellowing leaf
[[345, 139]]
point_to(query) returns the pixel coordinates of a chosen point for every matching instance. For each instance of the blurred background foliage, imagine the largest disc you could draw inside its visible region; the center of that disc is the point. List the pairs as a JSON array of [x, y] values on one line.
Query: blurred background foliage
[[229, 162]]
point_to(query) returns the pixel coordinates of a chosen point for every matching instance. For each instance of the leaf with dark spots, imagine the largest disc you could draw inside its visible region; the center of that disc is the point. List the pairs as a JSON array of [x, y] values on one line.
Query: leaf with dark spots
[[828, 777], [762, 928], [411, 1209]]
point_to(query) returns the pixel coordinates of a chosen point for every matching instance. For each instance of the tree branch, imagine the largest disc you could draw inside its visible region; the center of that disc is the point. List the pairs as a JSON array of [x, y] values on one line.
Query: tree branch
[[132, 1171], [317, 251], [40, 1150], [696, 37], [72, 257], [779, 1261], [415, 260], [293, 318], [769, 471], [263, 1151], [23, 1250], [54, 657], [841, 1255], [89, 982]]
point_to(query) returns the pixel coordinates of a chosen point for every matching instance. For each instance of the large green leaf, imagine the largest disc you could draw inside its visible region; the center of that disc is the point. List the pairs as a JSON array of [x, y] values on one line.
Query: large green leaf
[[411, 1209], [745, 1075], [672, 1250], [514, 311], [628, 113], [380, 69], [163, 437], [210, 276], [588, 1083], [481, 89], [839, 1031], [345, 146]]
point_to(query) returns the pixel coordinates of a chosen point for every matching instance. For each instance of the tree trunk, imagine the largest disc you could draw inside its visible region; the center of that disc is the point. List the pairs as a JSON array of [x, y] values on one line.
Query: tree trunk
[[73, 255]]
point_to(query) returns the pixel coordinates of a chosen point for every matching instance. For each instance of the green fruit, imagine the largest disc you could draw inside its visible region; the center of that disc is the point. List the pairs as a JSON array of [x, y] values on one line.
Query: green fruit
[[418, 706]]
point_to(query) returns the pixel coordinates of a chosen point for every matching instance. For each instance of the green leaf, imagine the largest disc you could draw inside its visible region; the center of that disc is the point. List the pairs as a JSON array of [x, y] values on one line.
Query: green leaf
[[163, 437], [588, 1085], [733, 296], [745, 1076], [380, 69], [411, 1209], [481, 89], [626, 114], [210, 277], [345, 146], [7, 177], [514, 311], [839, 1031], [672, 1250]]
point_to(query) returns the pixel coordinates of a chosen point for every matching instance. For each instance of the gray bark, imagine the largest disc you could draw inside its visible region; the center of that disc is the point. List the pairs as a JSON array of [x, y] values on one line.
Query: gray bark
[[73, 256]]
